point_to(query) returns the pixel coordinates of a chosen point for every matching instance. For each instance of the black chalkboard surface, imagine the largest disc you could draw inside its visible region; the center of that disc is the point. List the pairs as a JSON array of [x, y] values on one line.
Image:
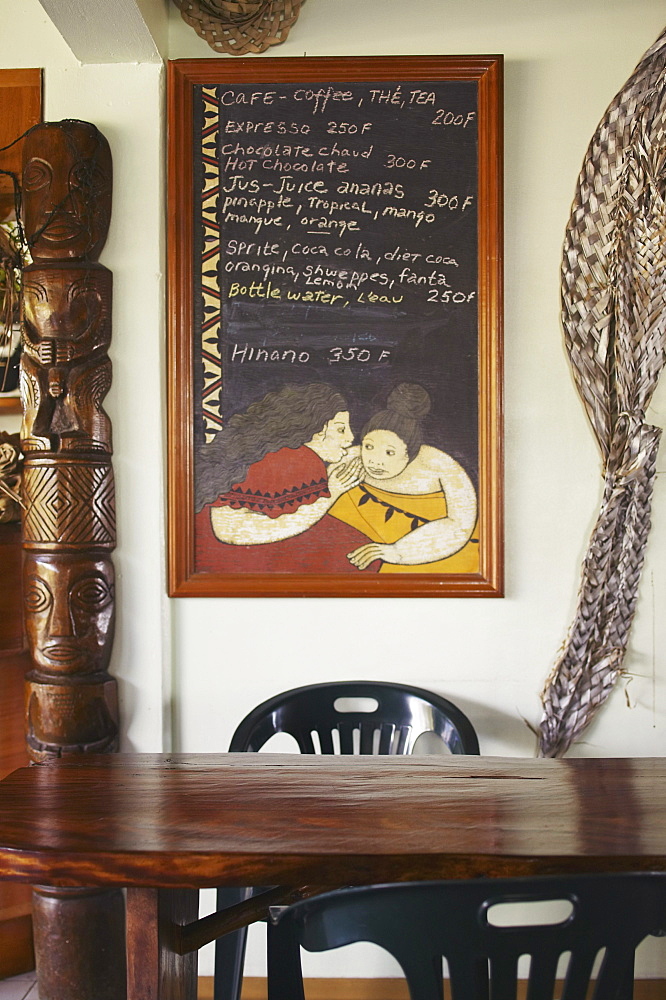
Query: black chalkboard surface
[[334, 223]]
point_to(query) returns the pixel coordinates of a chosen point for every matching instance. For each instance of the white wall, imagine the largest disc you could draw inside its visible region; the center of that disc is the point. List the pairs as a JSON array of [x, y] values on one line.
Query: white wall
[[210, 660], [562, 69]]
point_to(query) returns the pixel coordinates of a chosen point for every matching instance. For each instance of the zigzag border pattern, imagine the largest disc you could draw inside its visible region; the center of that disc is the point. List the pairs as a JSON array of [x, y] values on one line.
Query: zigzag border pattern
[[210, 260]]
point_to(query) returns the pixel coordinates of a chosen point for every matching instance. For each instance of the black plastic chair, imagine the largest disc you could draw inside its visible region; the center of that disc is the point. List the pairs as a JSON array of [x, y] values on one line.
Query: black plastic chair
[[421, 924], [340, 717]]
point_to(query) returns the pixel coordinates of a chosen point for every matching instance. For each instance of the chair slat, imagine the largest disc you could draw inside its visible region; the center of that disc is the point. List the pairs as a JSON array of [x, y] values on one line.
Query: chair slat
[[468, 977], [424, 976], [386, 732], [367, 737], [616, 975], [503, 976], [305, 742], [543, 971], [577, 978], [326, 740], [346, 738], [404, 733]]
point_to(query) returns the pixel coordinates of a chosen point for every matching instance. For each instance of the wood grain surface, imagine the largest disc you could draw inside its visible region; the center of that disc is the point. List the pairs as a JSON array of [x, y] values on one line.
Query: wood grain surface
[[193, 821], [20, 108], [16, 947], [12, 634]]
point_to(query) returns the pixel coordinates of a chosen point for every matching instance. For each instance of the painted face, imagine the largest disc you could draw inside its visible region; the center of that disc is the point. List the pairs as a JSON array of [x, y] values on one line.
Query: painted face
[[67, 176], [332, 442], [69, 610], [384, 454]]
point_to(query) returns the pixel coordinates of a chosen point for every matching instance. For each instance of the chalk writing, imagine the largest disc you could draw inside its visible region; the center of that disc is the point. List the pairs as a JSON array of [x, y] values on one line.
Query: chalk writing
[[388, 173], [342, 233]]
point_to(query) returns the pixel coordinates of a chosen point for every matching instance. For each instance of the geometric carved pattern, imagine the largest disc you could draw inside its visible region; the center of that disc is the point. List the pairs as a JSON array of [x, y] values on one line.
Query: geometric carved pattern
[[70, 503]]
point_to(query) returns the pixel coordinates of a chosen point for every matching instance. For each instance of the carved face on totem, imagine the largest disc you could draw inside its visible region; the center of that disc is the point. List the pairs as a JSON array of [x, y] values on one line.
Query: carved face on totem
[[67, 180], [70, 612], [66, 311]]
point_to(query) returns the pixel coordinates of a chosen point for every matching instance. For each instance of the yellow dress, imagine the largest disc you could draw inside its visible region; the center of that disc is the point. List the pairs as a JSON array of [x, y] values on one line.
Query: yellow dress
[[387, 517]]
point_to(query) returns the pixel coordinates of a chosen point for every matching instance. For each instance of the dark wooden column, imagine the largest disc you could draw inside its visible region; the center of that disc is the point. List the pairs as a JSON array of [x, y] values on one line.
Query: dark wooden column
[[16, 953], [69, 518]]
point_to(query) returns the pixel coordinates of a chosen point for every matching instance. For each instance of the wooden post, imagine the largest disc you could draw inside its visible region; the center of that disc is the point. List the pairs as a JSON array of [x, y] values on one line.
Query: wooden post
[[155, 970], [69, 518]]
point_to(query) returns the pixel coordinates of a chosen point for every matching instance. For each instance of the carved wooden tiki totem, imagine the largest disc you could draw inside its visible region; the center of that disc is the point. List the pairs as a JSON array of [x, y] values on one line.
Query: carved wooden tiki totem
[[69, 517], [68, 530]]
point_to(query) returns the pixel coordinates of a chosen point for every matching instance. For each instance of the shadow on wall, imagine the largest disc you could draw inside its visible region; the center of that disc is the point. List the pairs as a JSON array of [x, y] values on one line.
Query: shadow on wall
[[500, 733]]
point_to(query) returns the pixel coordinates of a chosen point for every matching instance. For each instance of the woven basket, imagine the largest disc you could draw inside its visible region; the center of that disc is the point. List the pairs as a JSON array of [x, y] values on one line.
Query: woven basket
[[238, 27]]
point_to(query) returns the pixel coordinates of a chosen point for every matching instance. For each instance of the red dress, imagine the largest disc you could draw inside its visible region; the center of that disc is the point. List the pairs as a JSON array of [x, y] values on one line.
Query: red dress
[[279, 484]]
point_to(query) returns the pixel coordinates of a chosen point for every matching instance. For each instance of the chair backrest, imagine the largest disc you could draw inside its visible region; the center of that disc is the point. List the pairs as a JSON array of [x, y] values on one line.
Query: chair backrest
[[356, 717], [422, 923]]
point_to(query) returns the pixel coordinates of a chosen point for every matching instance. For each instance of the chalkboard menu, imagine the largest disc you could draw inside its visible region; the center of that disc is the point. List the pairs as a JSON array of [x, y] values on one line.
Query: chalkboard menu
[[334, 242]]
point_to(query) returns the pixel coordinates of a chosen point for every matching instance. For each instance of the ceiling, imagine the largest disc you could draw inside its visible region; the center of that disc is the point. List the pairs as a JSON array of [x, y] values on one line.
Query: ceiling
[[100, 31]]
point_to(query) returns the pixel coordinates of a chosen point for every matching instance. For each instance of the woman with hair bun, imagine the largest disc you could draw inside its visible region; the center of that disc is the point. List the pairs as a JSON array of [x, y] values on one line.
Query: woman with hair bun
[[416, 504]]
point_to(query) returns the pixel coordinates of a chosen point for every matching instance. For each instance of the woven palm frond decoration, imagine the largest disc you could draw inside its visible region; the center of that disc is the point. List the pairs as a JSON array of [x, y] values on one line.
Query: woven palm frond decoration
[[239, 27], [614, 316]]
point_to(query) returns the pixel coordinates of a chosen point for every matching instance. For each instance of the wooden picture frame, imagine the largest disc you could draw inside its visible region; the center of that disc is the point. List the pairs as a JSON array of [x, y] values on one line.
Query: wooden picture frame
[[335, 224]]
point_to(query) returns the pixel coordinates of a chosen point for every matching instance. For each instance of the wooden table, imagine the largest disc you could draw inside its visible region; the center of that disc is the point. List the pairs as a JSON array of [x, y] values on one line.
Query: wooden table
[[166, 825]]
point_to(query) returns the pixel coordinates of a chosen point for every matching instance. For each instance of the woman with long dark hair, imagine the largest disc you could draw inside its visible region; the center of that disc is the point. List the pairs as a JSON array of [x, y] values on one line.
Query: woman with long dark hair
[[267, 481]]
